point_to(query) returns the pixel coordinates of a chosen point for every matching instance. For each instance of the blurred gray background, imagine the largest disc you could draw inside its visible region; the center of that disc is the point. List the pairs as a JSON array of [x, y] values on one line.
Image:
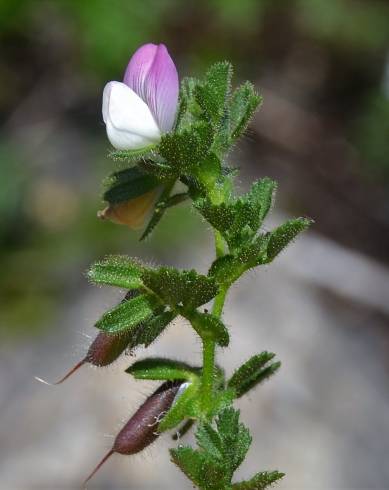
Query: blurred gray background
[[323, 306]]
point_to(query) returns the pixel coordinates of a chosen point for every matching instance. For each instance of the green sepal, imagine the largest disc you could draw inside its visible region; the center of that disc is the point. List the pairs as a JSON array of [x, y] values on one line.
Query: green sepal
[[132, 156], [174, 287], [128, 314], [128, 184], [209, 326], [185, 407], [283, 235], [162, 369], [212, 94], [252, 372], [260, 481], [186, 150], [117, 270], [243, 104]]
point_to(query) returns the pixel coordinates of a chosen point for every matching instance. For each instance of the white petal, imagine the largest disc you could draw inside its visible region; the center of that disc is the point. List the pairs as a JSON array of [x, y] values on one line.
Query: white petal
[[130, 123]]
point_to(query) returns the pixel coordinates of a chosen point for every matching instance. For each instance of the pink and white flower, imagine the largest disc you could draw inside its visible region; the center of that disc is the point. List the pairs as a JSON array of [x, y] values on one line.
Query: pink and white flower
[[140, 109]]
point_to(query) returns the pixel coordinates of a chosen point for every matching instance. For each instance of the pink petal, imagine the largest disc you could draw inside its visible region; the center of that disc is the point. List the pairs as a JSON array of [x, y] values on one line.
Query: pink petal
[[151, 73]]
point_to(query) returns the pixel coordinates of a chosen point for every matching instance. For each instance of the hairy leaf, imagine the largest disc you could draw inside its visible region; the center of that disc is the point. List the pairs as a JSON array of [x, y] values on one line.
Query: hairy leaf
[[209, 326], [260, 481], [116, 270], [284, 234], [212, 94], [187, 149], [161, 368], [176, 287], [127, 314], [253, 372], [243, 104]]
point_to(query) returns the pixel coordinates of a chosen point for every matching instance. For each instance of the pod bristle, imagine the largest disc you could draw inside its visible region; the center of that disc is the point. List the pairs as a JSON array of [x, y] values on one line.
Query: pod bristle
[[69, 373], [98, 467]]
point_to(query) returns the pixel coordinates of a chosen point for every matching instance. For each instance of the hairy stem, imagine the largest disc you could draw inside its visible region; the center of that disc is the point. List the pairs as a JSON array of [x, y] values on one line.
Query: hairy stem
[[209, 345]]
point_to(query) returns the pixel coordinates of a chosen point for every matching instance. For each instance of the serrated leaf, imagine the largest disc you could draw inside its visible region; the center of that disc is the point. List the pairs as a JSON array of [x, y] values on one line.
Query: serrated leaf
[[154, 326], [235, 438], [190, 462], [116, 270], [260, 481], [220, 216], [209, 440], [127, 314], [261, 197], [129, 184], [199, 468], [253, 372], [283, 235], [243, 104], [212, 94], [186, 406], [187, 149], [162, 369], [225, 270], [210, 327], [176, 287], [188, 108]]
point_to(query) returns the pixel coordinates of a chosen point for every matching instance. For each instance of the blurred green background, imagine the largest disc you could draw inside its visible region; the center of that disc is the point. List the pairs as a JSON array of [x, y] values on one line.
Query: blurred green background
[[323, 133]]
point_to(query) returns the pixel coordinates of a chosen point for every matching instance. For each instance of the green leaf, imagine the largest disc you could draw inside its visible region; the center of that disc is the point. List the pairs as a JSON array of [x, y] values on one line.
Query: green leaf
[[227, 269], [260, 481], [284, 234], [253, 372], [243, 104], [198, 467], [188, 107], [132, 155], [185, 407], [221, 451], [235, 438], [212, 94], [153, 327], [129, 184], [176, 287], [209, 326], [220, 401], [162, 369], [187, 149], [220, 216], [128, 314], [261, 197], [117, 270]]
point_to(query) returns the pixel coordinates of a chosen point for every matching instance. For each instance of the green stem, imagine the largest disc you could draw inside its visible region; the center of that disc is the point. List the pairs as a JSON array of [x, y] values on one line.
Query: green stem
[[209, 345]]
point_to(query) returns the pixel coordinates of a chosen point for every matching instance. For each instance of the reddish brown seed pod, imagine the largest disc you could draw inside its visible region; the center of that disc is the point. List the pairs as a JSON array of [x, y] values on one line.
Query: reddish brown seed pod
[[105, 348], [140, 431]]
